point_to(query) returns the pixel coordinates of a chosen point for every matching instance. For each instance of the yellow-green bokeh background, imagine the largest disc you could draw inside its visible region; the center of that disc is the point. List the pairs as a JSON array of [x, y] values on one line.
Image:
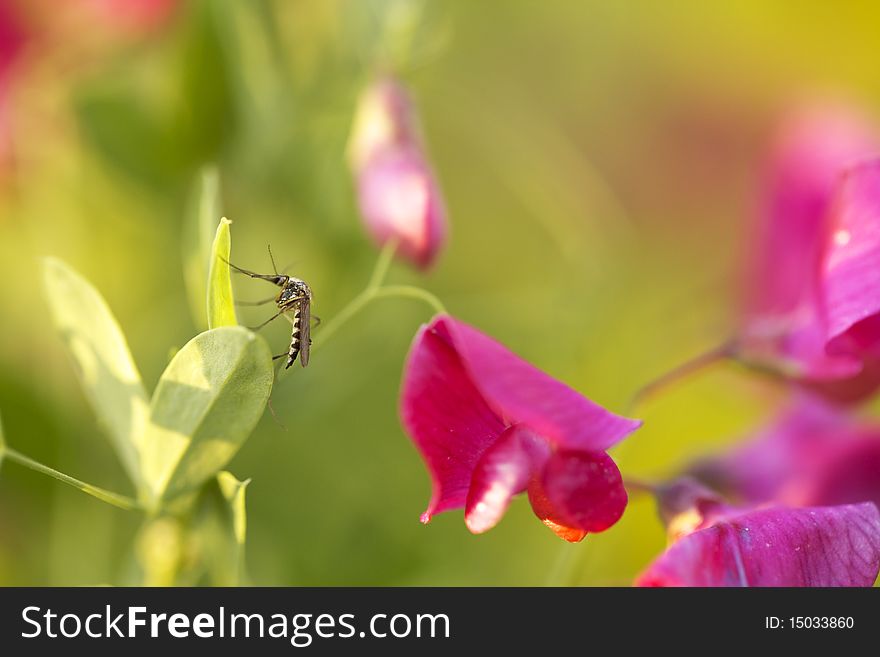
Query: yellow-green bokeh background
[[600, 162]]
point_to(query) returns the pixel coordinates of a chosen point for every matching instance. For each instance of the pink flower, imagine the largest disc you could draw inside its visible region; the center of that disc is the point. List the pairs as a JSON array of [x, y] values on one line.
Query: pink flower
[[385, 119], [719, 545], [813, 290], [12, 42], [813, 455], [398, 195], [134, 16], [490, 426]]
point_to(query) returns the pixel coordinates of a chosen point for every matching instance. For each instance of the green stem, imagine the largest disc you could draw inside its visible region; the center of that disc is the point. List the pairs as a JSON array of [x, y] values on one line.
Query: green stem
[[639, 486], [411, 292], [115, 499], [697, 364], [383, 263], [353, 308], [376, 290]]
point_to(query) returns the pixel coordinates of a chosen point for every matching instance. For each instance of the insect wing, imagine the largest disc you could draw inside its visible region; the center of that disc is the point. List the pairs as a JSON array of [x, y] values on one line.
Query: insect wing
[[305, 328]]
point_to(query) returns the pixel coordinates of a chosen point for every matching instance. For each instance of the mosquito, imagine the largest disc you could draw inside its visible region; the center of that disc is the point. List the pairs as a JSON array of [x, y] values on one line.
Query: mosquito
[[294, 301]]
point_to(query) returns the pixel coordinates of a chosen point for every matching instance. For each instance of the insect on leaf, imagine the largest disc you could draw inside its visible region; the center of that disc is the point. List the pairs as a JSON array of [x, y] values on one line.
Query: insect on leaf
[[221, 306], [207, 402], [103, 361], [204, 209]]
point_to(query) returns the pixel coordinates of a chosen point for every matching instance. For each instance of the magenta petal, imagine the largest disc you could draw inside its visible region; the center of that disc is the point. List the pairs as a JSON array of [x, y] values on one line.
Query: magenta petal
[[814, 455], [579, 490], [785, 326], [521, 393], [759, 470], [848, 472], [446, 417], [815, 144], [851, 274], [822, 546], [503, 471]]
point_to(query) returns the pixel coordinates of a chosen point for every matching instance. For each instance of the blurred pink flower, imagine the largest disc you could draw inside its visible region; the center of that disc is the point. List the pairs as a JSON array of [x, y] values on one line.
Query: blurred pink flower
[[490, 426], [12, 41], [134, 16], [398, 195], [811, 280], [718, 545], [813, 455]]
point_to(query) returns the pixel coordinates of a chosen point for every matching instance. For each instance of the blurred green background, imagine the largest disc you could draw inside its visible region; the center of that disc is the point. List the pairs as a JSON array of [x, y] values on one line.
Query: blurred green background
[[601, 163]]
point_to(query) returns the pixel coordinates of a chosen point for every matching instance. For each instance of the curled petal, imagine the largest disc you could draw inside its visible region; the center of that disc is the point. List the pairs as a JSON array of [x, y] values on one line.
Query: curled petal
[[822, 546], [447, 418], [521, 393], [400, 199], [579, 492], [785, 324], [851, 275], [816, 142], [543, 508], [503, 471]]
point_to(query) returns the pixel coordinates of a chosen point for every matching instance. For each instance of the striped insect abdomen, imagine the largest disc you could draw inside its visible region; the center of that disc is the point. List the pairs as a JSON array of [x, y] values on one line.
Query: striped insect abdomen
[[295, 337]]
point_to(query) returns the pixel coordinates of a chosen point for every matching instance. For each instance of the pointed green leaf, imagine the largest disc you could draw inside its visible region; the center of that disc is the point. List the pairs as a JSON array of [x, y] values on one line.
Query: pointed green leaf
[[206, 404], [105, 367], [204, 209], [102, 494], [233, 491], [221, 307]]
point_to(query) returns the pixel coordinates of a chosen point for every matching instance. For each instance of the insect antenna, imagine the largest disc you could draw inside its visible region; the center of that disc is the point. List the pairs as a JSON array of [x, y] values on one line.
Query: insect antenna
[[247, 272], [271, 257]]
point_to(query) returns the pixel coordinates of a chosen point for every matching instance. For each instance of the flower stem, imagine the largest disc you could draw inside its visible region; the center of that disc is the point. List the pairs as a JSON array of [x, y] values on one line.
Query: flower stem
[[409, 291], [694, 365], [376, 290], [109, 497], [383, 263], [639, 486]]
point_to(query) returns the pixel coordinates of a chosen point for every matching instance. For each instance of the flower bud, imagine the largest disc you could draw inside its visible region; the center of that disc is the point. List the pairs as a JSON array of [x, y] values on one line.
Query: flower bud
[[397, 194]]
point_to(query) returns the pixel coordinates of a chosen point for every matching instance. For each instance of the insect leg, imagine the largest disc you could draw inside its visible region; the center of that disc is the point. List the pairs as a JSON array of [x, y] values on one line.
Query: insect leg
[[257, 328], [255, 303]]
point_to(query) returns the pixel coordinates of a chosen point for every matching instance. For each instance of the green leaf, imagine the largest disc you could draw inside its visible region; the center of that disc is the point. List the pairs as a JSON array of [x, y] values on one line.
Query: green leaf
[[102, 494], [105, 367], [221, 306], [206, 404], [204, 209], [233, 491]]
